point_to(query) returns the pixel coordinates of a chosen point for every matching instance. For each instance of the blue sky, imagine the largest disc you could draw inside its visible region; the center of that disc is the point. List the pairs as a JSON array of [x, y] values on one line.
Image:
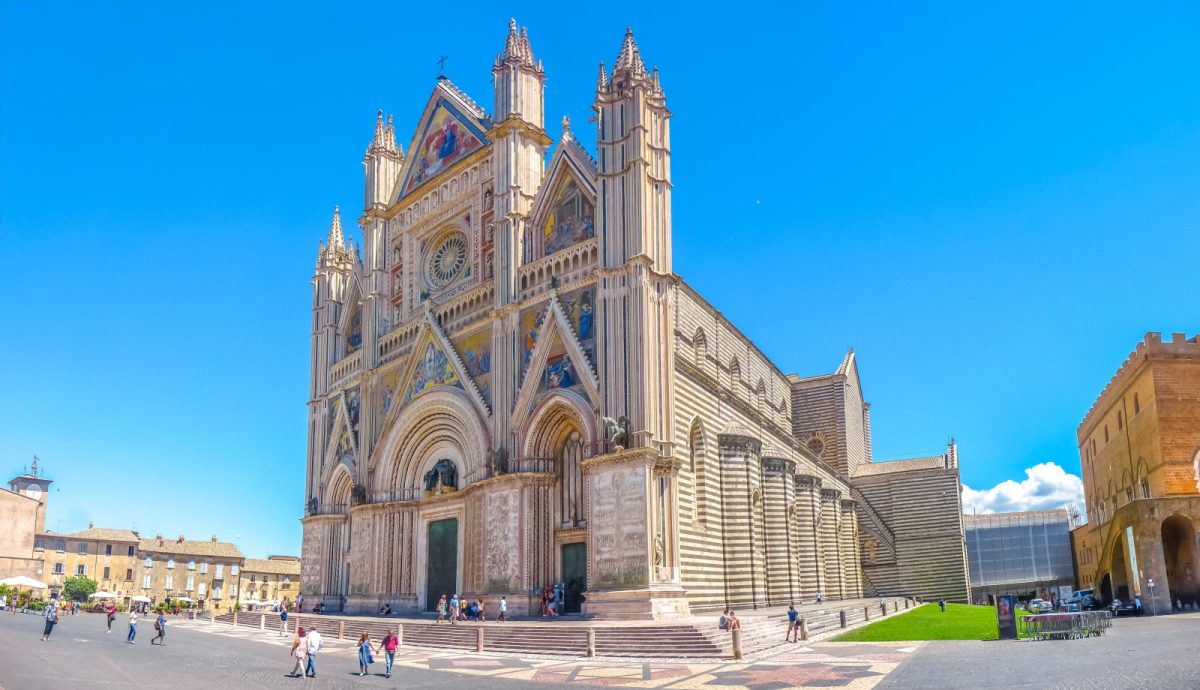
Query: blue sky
[[991, 204]]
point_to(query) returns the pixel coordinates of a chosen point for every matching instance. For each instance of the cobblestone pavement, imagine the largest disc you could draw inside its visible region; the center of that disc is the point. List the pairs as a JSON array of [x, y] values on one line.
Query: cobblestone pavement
[[204, 655], [1149, 652]]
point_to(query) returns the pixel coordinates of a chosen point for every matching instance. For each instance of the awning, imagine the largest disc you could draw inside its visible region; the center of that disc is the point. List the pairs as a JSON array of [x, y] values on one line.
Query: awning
[[140, 598], [22, 581], [102, 595]]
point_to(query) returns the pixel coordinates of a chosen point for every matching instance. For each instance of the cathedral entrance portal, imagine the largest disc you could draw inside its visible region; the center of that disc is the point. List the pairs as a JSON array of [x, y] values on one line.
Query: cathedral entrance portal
[[574, 570], [441, 562]]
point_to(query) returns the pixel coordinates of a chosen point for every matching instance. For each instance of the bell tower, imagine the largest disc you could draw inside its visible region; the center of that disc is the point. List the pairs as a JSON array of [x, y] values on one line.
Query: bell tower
[[633, 223]]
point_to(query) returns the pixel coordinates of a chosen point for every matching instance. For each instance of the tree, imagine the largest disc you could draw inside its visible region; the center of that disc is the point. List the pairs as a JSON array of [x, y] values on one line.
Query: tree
[[79, 587]]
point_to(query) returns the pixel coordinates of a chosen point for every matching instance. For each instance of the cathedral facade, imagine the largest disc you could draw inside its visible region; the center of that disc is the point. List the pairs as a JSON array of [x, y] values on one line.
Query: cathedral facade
[[512, 389]]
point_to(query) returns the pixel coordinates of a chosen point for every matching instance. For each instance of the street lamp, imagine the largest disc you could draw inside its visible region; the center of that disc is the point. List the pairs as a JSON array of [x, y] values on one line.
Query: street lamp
[[1153, 602]]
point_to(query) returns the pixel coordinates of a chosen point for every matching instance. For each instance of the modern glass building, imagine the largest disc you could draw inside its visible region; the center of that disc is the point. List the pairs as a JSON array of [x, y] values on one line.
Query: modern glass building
[[1027, 554]]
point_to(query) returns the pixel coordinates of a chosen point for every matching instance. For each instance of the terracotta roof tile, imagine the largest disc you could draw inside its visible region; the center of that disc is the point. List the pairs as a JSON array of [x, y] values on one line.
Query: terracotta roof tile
[[223, 549], [274, 566]]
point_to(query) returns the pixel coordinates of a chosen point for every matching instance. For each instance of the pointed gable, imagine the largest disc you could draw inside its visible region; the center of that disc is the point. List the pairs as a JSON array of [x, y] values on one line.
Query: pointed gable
[[451, 128], [432, 369], [564, 210]]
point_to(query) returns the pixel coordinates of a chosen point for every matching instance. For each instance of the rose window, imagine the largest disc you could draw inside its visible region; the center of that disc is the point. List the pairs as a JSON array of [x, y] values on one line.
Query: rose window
[[447, 260]]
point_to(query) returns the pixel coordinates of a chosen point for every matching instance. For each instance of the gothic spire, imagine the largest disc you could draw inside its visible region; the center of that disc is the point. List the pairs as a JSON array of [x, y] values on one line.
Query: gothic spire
[[602, 80], [629, 60], [517, 49], [336, 239], [390, 133], [655, 84]]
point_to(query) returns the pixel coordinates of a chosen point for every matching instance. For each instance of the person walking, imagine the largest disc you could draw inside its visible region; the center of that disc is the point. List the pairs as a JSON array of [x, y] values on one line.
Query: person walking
[[132, 625], [51, 614], [793, 630], [282, 621], [314, 646], [480, 617], [502, 615], [441, 609], [454, 606], [364, 654], [160, 626], [299, 652], [388, 647], [110, 612]]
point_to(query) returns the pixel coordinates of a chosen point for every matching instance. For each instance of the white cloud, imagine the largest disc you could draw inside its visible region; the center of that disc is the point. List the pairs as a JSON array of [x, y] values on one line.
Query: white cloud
[[1046, 487]]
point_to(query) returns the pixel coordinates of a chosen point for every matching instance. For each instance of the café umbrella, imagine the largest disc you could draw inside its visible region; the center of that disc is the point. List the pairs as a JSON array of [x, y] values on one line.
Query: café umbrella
[[102, 595], [141, 599], [22, 581]]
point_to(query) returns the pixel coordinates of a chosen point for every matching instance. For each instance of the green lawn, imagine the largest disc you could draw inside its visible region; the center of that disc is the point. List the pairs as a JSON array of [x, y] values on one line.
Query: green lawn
[[959, 622]]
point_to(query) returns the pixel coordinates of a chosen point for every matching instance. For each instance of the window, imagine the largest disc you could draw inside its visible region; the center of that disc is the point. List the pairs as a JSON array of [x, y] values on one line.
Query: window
[[1145, 489], [83, 549], [108, 549], [170, 583], [1120, 421], [60, 545], [1137, 406], [81, 569], [39, 545], [204, 568], [200, 591], [266, 579], [145, 582], [129, 574], [59, 568], [1106, 433], [216, 590], [149, 562], [287, 581], [106, 572], [220, 574], [192, 564], [233, 570], [1114, 504], [1129, 494], [191, 583], [251, 579], [170, 563], [233, 590]]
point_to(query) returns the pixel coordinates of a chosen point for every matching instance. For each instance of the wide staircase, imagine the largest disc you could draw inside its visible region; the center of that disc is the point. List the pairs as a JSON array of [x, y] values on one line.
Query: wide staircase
[[690, 638]]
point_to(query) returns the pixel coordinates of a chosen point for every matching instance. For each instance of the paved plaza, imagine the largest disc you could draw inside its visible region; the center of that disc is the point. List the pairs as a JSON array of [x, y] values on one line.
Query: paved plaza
[[1148, 652]]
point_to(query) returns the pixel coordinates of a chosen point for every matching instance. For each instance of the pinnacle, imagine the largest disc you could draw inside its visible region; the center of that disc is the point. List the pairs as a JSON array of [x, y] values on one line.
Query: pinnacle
[[336, 238], [629, 59], [602, 80], [516, 46]]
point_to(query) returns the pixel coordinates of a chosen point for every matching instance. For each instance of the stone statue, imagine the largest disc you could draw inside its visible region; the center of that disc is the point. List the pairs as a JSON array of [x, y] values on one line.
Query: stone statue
[[500, 461], [659, 556], [358, 495], [312, 506], [443, 476], [616, 431]]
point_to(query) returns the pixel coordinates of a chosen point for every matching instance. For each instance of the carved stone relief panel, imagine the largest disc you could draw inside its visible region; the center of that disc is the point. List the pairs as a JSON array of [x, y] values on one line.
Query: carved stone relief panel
[[618, 526], [361, 550], [502, 540]]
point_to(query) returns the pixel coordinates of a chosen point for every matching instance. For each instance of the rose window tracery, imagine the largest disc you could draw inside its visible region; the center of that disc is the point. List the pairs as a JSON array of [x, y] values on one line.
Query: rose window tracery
[[447, 260]]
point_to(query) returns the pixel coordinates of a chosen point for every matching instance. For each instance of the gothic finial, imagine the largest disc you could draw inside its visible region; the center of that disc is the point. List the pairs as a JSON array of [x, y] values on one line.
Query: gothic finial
[[629, 59], [336, 239], [566, 125], [655, 84], [516, 46], [602, 80]]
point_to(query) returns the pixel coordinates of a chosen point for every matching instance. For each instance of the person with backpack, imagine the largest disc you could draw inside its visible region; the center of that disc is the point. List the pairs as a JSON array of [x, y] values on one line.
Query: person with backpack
[[110, 612], [160, 626]]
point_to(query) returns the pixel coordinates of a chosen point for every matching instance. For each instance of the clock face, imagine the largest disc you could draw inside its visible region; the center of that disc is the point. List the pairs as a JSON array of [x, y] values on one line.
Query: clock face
[[447, 260]]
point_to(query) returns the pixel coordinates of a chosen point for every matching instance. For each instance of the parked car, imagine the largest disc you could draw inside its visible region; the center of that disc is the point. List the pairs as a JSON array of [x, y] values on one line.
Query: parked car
[[1085, 598], [1039, 606]]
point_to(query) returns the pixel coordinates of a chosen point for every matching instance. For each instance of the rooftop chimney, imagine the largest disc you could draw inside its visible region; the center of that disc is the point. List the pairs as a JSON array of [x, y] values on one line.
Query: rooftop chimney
[[91, 524], [180, 539], [214, 538]]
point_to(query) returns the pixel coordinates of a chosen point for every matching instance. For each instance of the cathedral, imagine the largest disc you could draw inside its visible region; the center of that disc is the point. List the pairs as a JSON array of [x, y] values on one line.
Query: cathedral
[[511, 389]]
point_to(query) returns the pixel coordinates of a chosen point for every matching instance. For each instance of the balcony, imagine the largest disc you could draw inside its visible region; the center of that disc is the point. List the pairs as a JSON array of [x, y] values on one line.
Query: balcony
[[344, 368]]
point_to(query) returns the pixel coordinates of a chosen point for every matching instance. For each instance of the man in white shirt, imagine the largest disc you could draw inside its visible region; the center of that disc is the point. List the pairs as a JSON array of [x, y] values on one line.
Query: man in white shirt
[[503, 607], [314, 646]]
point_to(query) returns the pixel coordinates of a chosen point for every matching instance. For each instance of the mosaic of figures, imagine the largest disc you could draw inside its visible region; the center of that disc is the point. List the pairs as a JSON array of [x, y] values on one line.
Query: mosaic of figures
[[580, 308], [354, 329], [531, 326], [447, 139], [475, 350], [388, 390], [433, 370], [569, 221]]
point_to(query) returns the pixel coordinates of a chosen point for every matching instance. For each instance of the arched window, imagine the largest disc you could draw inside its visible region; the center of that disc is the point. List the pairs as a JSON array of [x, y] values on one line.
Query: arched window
[[697, 463], [735, 374], [1120, 420], [700, 347], [1137, 406]]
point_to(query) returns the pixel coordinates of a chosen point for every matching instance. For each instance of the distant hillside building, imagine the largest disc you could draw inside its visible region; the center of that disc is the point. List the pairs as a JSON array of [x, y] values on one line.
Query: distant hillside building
[[1024, 553], [1139, 446]]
